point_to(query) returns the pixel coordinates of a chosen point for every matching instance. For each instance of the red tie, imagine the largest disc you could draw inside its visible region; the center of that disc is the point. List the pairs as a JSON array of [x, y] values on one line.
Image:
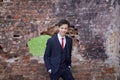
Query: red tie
[[62, 42]]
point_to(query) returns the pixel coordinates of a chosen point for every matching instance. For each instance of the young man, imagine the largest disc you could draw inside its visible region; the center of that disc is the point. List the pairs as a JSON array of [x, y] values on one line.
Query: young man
[[57, 55]]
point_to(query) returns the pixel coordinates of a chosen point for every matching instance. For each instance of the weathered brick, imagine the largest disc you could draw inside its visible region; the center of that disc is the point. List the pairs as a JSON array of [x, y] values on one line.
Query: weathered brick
[[21, 20]]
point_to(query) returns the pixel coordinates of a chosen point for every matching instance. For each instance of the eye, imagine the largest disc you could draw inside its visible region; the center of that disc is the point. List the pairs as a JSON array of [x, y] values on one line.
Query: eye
[[65, 28], [62, 28]]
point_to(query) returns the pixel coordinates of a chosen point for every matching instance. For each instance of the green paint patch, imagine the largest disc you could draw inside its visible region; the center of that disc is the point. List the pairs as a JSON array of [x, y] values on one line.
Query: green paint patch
[[37, 45]]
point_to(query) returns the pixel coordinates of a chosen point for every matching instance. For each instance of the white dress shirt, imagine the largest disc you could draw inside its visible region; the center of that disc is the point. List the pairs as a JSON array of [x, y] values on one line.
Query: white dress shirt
[[60, 39]]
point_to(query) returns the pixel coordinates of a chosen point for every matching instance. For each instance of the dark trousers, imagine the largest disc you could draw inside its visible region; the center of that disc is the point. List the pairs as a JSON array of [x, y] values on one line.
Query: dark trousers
[[65, 74]]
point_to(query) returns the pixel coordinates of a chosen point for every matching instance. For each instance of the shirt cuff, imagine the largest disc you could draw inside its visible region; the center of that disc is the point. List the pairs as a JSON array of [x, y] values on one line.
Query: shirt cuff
[[69, 66], [49, 70]]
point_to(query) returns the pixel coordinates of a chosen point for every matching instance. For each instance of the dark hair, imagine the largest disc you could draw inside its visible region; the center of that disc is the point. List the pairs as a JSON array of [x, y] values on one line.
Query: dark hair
[[63, 21]]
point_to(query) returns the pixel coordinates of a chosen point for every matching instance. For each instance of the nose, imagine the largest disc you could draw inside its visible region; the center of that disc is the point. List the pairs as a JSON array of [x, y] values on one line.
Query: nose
[[64, 30]]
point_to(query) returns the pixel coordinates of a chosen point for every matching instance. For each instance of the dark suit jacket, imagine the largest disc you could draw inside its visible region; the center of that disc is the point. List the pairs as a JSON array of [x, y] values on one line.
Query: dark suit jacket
[[52, 56]]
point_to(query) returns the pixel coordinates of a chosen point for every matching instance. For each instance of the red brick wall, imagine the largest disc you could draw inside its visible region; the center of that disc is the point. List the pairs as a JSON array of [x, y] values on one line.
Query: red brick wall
[[21, 20], [33, 70]]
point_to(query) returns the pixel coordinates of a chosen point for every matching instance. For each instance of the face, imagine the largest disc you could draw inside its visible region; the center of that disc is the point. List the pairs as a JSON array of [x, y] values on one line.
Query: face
[[63, 29]]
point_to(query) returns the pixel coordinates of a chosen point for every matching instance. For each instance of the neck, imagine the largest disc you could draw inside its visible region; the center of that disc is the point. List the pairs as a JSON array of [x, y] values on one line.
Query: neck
[[61, 35]]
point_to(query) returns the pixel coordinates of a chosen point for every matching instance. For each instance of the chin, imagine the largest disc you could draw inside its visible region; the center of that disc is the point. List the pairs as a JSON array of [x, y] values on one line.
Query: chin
[[63, 35]]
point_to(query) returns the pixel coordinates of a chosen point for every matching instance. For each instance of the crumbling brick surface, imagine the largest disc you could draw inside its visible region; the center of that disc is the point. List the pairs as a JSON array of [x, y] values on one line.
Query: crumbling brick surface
[[95, 33]]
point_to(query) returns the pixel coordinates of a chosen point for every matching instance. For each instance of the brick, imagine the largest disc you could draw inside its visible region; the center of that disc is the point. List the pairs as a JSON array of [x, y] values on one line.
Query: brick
[[109, 70], [91, 22]]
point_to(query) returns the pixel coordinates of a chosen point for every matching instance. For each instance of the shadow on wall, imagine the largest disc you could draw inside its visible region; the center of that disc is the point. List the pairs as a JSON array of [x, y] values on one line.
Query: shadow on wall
[[95, 49]]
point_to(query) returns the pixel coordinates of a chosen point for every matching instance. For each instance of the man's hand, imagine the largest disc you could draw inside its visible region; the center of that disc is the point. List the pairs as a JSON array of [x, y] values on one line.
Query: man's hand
[[69, 66], [49, 70]]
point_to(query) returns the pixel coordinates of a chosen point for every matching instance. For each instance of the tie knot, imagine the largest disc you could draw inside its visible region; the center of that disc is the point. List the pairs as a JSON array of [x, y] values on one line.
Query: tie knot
[[62, 38]]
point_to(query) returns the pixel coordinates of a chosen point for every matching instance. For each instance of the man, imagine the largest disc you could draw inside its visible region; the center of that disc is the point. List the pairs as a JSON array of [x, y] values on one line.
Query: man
[[57, 55]]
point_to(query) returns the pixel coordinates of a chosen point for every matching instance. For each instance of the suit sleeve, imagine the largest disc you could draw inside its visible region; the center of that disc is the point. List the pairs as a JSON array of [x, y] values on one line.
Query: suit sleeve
[[47, 54], [70, 52]]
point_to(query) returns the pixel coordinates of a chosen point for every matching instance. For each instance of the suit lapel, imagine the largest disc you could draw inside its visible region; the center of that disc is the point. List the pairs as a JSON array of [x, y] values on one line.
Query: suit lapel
[[66, 41], [57, 42]]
